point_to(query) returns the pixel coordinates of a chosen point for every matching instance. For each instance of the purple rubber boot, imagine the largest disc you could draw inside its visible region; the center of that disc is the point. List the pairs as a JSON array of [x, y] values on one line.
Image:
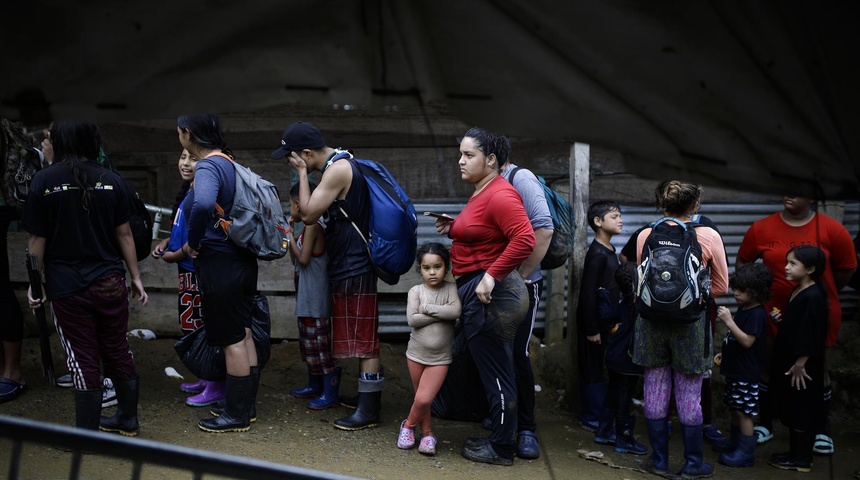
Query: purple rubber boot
[[195, 387], [212, 392]]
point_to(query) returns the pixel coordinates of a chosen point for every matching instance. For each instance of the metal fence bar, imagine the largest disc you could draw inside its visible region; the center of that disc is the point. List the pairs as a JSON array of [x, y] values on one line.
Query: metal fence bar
[[140, 452], [158, 214]]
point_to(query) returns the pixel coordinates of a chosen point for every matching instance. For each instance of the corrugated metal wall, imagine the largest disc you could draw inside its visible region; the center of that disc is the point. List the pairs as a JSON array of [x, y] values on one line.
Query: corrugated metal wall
[[733, 221]]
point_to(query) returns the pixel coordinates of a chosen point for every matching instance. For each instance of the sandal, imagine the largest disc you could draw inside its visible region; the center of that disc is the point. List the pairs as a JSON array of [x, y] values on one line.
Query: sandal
[[763, 435], [406, 440], [428, 445], [10, 389], [823, 445]]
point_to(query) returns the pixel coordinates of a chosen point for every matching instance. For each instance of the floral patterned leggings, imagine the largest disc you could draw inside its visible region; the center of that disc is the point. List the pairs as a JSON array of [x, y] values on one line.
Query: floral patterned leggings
[[658, 391]]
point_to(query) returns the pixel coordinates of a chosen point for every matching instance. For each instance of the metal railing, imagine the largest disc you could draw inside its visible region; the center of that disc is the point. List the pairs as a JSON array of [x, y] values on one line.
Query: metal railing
[[141, 452], [158, 214]]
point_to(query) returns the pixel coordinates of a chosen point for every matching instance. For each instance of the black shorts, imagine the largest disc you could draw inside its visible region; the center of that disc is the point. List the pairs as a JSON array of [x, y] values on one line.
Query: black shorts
[[741, 395], [228, 283]]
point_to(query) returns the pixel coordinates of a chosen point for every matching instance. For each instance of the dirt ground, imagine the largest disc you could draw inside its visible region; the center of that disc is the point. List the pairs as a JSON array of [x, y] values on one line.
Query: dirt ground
[[288, 433]]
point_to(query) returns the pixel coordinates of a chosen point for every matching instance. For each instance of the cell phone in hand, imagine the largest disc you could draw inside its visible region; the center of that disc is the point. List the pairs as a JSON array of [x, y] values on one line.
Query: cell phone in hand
[[438, 215]]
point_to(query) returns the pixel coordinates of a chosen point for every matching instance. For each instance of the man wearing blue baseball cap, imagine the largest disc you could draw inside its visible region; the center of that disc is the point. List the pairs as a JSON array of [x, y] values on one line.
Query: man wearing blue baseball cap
[[342, 198]]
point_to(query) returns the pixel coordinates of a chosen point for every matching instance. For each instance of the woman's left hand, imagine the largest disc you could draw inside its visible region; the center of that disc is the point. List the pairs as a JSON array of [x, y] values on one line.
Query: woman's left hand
[[484, 291]]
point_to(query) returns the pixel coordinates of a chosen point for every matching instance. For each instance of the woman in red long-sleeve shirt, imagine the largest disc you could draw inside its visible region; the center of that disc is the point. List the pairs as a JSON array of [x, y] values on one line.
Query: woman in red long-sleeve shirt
[[491, 238]]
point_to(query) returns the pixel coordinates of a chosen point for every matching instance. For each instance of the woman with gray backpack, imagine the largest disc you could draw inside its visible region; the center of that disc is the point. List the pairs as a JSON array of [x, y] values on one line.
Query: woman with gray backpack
[[680, 266]]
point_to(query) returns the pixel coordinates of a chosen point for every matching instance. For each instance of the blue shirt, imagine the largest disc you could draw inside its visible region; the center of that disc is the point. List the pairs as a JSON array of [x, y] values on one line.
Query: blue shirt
[[179, 235], [214, 182]]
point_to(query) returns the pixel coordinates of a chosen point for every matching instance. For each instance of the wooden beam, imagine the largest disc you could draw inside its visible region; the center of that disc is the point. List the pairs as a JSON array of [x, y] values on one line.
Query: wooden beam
[[580, 181]]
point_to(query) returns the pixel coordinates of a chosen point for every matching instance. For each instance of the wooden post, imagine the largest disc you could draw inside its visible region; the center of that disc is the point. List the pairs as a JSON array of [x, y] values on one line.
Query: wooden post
[[555, 317], [580, 162]]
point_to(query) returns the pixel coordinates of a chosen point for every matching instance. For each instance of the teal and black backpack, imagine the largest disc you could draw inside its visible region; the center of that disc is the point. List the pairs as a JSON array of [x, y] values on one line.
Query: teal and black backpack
[[561, 245]]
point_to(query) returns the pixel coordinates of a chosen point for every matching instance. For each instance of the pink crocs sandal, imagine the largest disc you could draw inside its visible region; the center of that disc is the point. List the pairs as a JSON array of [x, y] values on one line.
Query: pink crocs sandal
[[428, 445], [406, 440]]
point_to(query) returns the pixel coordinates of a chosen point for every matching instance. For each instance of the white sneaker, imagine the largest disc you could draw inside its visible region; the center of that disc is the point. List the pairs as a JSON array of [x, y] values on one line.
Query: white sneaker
[[108, 393], [65, 381]]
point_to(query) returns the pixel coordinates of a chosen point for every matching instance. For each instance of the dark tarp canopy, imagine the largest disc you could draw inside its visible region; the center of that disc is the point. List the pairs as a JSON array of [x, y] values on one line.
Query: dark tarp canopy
[[759, 96]]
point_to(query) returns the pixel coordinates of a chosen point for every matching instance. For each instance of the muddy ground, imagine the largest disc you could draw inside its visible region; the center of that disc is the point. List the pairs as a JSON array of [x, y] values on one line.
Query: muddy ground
[[288, 433]]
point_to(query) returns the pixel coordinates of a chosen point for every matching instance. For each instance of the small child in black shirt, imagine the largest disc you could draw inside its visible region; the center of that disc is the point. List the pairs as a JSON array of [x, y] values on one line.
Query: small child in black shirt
[[741, 361]]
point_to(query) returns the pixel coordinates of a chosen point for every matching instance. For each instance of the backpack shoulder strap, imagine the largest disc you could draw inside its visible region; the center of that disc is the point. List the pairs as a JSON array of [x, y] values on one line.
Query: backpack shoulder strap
[[664, 219], [220, 214], [338, 154], [219, 154], [513, 174]]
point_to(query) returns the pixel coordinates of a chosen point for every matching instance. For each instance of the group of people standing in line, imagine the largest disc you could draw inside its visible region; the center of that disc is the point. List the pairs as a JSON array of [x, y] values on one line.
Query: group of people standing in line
[[78, 223], [776, 344]]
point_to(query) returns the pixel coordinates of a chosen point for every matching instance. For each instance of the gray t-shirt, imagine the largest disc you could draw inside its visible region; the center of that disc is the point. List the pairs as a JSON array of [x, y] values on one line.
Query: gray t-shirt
[[534, 200], [313, 297]]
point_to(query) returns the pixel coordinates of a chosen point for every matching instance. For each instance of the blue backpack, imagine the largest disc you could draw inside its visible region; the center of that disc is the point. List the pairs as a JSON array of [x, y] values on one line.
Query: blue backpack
[[561, 244], [393, 239]]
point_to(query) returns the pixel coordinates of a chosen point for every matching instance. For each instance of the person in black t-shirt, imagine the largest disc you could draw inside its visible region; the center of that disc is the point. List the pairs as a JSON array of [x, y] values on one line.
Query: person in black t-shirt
[[598, 273], [77, 216], [742, 357]]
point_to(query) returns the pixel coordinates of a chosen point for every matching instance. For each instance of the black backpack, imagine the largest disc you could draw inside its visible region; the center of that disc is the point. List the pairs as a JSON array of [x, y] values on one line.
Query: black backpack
[[139, 221], [673, 283]]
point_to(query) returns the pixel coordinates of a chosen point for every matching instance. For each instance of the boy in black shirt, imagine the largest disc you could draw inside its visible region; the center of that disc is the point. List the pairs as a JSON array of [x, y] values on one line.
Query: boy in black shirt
[[742, 358], [598, 273]]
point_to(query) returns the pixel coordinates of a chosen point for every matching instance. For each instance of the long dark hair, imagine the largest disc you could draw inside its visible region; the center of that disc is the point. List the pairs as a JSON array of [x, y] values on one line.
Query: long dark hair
[[490, 142], [205, 130], [183, 191], [811, 256], [74, 143]]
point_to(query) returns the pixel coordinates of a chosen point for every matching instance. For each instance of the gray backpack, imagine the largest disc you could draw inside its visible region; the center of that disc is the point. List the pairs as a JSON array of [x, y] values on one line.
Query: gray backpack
[[256, 222]]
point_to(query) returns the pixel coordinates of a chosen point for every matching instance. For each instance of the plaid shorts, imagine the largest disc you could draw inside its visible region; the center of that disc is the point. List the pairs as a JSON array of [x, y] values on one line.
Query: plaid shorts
[[741, 395], [355, 317], [315, 344]]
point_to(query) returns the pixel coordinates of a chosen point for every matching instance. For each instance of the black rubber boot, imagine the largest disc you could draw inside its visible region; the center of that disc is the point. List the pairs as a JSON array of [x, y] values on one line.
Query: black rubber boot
[[125, 420], [695, 466], [743, 455], [88, 409], [605, 434], [799, 457], [366, 415], [658, 434], [625, 441], [218, 408], [729, 444], [349, 401], [236, 414]]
